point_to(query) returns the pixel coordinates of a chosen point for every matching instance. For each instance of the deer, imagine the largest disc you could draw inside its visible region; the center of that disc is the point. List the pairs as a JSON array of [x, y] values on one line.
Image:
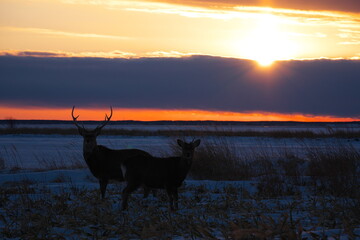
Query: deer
[[158, 173], [104, 163]]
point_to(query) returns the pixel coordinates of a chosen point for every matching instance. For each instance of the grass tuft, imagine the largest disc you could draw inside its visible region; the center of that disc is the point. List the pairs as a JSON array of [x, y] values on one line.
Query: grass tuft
[[218, 159], [335, 169]]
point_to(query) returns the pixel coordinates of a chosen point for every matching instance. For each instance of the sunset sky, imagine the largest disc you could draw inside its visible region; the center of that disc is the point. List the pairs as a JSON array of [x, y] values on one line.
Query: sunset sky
[[248, 60]]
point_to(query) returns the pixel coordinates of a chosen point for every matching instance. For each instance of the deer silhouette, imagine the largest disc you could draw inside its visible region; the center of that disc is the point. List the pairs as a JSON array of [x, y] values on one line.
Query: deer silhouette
[[153, 172], [104, 163]]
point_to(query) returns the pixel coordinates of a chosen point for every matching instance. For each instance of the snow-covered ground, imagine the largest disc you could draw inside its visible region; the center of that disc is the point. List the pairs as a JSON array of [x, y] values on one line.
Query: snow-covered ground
[[65, 204], [31, 151], [36, 201]]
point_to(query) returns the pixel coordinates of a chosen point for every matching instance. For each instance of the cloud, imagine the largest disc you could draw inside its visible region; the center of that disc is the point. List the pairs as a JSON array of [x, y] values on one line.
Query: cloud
[[64, 34], [330, 5], [33, 54], [352, 36], [111, 54], [318, 87], [344, 13]]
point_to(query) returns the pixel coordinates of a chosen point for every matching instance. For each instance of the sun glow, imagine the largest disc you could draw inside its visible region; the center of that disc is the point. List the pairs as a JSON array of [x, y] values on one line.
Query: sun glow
[[267, 42]]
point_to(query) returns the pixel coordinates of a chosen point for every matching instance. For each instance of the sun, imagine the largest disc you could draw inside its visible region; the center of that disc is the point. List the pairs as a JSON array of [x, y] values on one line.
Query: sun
[[265, 60], [266, 42]]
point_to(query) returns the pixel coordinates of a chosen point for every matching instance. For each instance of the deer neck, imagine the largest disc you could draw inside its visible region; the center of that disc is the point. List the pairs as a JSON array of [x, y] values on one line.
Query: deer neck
[[183, 168], [185, 162], [89, 148]]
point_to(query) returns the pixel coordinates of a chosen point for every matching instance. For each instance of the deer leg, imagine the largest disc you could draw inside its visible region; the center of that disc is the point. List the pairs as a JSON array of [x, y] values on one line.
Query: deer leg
[[126, 193], [171, 198], [146, 191], [176, 196], [154, 192], [103, 185]]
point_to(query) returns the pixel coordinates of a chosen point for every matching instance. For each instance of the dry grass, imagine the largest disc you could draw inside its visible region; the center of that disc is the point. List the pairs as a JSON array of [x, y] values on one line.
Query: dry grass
[[231, 211], [67, 161], [28, 211], [218, 159], [10, 153], [61, 160], [73, 212], [335, 169]]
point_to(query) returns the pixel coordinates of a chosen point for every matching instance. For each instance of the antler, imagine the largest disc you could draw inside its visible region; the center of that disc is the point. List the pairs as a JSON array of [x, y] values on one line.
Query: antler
[[107, 120], [75, 119]]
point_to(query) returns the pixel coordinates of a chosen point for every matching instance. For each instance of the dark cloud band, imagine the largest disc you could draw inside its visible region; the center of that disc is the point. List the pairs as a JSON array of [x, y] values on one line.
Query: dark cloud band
[[319, 87]]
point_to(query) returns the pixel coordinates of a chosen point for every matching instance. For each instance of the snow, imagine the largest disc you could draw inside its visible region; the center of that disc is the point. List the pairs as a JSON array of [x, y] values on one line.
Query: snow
[[202, 196], [78, 175], [32, 151], [209, 207]]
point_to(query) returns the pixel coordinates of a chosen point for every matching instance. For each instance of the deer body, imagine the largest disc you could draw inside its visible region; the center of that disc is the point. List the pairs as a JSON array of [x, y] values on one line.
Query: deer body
[[163, 173], [156, 172], [104, 163]]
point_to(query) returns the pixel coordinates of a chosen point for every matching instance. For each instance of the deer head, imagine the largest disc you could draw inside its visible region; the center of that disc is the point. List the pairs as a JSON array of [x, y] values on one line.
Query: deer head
[[90, 135], [188, 149]]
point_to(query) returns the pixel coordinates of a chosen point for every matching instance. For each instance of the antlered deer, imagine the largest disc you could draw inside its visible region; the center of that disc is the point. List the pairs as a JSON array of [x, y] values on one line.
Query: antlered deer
[[104, 163], [153, 172]]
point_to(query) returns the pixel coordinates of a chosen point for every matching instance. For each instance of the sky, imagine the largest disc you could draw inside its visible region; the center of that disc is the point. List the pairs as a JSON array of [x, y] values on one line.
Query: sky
[[249, 60]]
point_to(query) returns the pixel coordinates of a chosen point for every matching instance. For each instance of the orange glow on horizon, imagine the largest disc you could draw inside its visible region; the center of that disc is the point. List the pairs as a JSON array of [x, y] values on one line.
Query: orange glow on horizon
[[158, 115]]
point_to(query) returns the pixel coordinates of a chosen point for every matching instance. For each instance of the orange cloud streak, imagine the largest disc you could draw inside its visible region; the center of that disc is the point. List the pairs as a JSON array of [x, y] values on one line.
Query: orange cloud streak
[[158, 114]]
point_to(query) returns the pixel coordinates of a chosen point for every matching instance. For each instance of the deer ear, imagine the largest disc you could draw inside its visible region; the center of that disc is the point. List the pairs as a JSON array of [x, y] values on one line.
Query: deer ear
[[180, 143], [196, 143]]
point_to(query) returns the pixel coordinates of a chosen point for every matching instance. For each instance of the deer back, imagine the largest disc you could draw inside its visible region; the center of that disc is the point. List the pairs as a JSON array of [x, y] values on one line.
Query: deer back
[[106, 163], [156, 172]]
